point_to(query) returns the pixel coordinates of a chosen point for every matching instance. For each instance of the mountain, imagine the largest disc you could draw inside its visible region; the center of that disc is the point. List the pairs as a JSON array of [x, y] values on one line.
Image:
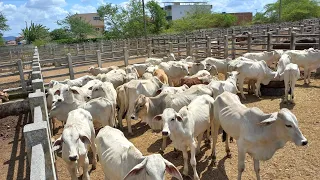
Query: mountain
[[9, 38]]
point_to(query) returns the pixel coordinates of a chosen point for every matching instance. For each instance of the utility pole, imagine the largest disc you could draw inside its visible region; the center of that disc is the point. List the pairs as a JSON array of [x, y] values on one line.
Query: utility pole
[[144, 20], [280, 6]]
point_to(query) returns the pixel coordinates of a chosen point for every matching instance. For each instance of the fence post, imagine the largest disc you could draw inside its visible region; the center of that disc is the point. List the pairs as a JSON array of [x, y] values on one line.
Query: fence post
[[226, 48], [278, 33], [71, 73], [170, 47], [208, 46], [22, 81], [249, 41], [101, 46], [233, 46], [269, 41], [189, 49], [77, 49], [126, 56], [319, 42], [149, 48], [293, 41], [313, 29], [301, 29], [179, 53], [99, 59]]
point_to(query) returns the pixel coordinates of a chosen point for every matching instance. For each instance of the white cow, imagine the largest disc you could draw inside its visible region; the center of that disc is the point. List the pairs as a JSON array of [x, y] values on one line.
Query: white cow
[[308, 59], [173, 90], [116, 77], [151, 69], [130, 76], [174, 70], [141, 68], [257, 133], [188, 125], [154, 61], [268, 57], [254, 70], [147, 75], [97, 70], [78, 133], [130, 92], [230, 85], [120, 159], [220, 64], [81, 81]]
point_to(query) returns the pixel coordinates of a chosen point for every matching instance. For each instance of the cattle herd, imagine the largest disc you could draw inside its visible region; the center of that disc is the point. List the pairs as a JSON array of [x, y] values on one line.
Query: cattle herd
[[183, 98]]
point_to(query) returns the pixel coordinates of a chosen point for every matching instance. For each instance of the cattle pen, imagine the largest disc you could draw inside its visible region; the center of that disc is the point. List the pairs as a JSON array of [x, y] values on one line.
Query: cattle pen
[[29, 71]]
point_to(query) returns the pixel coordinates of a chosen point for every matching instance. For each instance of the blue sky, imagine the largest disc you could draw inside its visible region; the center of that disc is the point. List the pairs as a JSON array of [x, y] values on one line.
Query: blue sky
[[47, 12]]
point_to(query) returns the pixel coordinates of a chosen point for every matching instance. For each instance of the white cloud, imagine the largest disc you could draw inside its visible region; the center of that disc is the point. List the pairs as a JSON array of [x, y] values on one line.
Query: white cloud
[[82, 9], [45, 4]]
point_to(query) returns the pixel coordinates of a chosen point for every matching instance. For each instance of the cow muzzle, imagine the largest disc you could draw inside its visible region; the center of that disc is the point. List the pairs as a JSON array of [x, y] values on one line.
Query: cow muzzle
[[305, 142], [165, 133], [134, 117], [73, 158]]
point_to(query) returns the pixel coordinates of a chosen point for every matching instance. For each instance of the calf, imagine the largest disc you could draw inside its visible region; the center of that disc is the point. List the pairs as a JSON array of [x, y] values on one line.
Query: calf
[[194, 81], [78, 132], [116, 77], [268, 57], [120, 159], [220, 64], [186, 126], [97, 70], [230, 85], [161, 75], [257, 133], [174, 71], [291, 74]]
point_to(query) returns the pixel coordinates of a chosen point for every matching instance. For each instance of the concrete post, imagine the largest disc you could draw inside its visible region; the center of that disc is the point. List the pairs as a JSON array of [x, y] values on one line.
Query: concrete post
[[313, 29], [37, 84], [126, 56], [77, 49], [249, 41], [269, 41], [233, 46], [36, 75], [293, 41], [208, 46], [226, 48], [190, 49], [301, 29], [71, 73], [37, 167], [278, 33], [101, 46], [38, 99], [264, 39], [149, 50], [170, 47], [99, 59], [21, 74]]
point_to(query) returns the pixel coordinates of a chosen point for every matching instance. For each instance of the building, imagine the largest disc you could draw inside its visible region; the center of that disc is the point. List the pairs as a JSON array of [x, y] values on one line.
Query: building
[[177, 10], [93, 19], [243, 17]]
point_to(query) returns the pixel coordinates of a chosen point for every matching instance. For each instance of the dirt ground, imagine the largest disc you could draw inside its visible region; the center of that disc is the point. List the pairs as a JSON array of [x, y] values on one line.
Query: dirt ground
[[291, 162]]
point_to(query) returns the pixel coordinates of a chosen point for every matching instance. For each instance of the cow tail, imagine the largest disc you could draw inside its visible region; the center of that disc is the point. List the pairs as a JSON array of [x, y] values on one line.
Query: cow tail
[[224, 136]]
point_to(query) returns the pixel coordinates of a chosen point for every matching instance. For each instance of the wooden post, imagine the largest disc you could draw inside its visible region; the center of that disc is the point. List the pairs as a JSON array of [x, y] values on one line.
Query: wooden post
[[196, 45], [101, 46], [126, 56], [319, 42], [170, 47], [208, 46], [290, 31], [85, 51], [189, 49], [22, 81], [249, 41], [313, 29], [293, 41], [71, 73], [269, 41], [149, 48], [233, 46], [10, 53], [264, 39], [179, 53], [77, 49], [258, 30], [226, 48], [301, 29], [278, 33], [99, 59]]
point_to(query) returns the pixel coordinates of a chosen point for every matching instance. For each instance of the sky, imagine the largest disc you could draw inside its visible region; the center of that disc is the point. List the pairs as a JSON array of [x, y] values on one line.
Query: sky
[[47, 12]]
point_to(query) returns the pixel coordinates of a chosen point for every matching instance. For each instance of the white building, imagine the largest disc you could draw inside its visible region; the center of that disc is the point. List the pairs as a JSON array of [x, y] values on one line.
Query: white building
[[177, 10]]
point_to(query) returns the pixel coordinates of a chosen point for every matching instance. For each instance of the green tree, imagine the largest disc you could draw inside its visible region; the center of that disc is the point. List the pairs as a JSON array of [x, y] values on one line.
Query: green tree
[[157, 17], [57, 34], [3, 27], [79, 28], [292, 10], [35, 32]]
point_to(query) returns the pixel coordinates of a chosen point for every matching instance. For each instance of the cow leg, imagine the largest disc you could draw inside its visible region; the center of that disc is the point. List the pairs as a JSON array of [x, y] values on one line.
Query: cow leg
[[306, 72], [286, 89], [214, 134], [128, 118], [94, 154], [293, 84], [85, 175], [257, 168], [185, 161], [199, 138], [207, 141], [193, 161], [241, 80], [164, 143], [257, 89], [309, 75], [227, 146], [72, 171], [241, 159]]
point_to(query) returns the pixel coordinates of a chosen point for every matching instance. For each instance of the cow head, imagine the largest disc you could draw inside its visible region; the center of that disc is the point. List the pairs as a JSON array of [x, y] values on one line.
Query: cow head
[[153, 167], [139, 106], [169, 118], [286, 125], [4, 96]]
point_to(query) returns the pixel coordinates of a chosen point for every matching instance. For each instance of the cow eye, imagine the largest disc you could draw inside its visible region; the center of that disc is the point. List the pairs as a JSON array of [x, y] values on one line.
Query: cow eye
[[289, 126], [96, 89], [141, 106], [67, 90], [172, 119]]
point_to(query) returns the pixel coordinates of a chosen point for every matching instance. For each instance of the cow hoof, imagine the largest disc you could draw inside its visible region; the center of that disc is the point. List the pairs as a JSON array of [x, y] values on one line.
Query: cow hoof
[[161, 152], [229, 155], [93, 167], [285, 102]]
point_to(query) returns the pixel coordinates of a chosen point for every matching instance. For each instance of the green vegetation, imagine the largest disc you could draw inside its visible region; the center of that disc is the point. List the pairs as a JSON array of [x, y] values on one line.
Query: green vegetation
[[35, 32], [58, 34], [3, 27], [292, 10]]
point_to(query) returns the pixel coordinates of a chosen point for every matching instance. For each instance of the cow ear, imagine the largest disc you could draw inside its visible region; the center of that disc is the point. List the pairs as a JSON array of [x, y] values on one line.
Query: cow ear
[[136, 170], [179, 118], [268, 121], [74, 91], [186, 86], [85, 139], [57, 92], [57, 145], [157, 117], [172, 170]]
